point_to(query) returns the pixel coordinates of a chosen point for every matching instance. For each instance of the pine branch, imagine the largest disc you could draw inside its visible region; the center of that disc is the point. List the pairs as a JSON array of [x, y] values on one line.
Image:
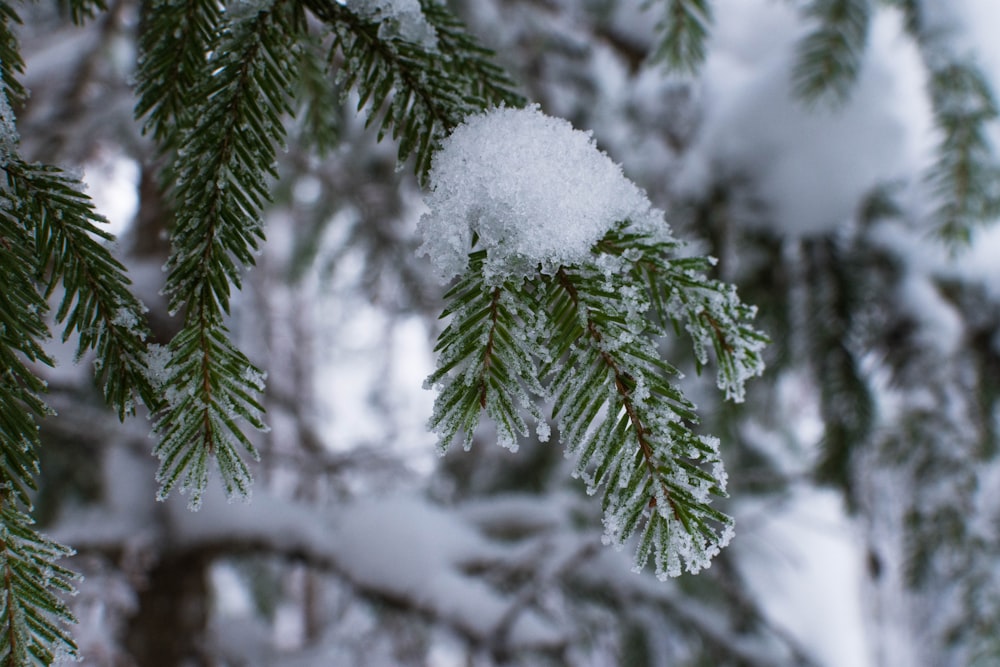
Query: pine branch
[[626, 423], [416, 92], [681, 296], [966, 175], [487, 84], [686, 25], [222, 169], [175, 37], [209, 387], [33, 618], [319, 113], [96, 304], [22, 330], [225, 160], [485, 361], [847, 405], [11, 62], [224, 154], [830, 57], [594, 328]]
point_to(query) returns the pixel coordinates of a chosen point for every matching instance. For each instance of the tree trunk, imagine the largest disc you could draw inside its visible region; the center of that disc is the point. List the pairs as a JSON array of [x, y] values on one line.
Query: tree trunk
[[173, 614]]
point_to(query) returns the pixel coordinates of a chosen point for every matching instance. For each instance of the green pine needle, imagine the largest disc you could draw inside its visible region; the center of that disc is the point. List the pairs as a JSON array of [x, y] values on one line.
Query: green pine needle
[[33, 615], [685, 28], [830, 57], [96, 302], [412, 92], [591, 333], [966, 175], [223, 168], [484, 350], [201, 422], [174, 39]]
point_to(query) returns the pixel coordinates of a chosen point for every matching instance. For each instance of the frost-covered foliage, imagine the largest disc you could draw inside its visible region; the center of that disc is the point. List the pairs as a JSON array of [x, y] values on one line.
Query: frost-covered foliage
[[241, 70], [572, 280], [50, 247], [215, 88], [809, 146]]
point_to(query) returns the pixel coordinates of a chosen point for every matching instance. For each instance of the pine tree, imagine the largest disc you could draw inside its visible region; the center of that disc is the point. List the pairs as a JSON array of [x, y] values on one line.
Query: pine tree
[[588, 341], [215, 86]]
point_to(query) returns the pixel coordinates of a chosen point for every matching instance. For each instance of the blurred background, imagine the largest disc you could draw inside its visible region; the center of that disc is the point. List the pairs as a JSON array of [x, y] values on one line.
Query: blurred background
[[863, 467]]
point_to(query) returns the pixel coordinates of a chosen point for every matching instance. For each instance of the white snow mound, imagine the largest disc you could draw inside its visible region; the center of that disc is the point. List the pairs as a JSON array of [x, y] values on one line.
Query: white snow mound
[[536, 193]]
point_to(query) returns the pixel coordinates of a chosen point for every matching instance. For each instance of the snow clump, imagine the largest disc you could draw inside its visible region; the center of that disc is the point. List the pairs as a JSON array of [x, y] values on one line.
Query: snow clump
[[531, 190]]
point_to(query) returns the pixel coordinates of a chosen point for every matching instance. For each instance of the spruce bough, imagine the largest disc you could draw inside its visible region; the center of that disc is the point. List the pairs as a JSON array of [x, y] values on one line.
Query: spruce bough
[[585, 341], [582, 339], [563, 304]]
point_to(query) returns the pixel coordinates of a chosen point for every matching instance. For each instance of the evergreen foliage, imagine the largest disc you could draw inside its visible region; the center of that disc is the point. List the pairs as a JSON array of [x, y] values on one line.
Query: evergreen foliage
[[933, 458], [835, 300], [11, 65], [318, 99], [49, 241], [966, 177], [966, 174], [215, 87], [590, 333], [96, 304], [830, 56], [943, 452], [225, 154], [684, 31], [32, 615], [418, 93], [243, 68], [174, 42], [33, 620]]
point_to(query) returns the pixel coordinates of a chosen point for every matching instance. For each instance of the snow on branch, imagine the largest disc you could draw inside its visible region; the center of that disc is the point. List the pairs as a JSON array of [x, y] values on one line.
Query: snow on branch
[[568, 280], [532, 190], [402, 548]]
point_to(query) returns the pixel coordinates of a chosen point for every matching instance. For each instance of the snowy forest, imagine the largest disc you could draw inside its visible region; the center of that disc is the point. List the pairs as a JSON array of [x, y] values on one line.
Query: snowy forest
[[500, 332]]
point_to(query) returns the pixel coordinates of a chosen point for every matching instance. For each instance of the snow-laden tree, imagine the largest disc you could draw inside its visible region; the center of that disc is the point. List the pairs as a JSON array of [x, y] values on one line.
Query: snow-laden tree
[[572, 305], [214, 85]]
